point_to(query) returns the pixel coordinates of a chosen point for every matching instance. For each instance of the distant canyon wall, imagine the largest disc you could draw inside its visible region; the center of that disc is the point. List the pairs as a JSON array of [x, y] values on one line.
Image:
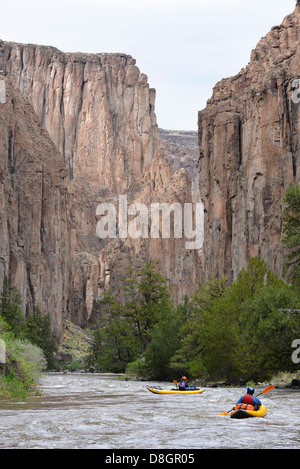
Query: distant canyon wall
[[250, 154]]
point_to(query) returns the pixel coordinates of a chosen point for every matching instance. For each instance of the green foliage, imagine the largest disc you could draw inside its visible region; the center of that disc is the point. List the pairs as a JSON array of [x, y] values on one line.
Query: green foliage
[[38, 332], [291, 233], [240, 331], [232, 332], [209, 333], [113, 345], [11, 309], [165, 338], [36, 327], [29, 345], [32, 354], [20, 372], [269, 329], [129, 325]]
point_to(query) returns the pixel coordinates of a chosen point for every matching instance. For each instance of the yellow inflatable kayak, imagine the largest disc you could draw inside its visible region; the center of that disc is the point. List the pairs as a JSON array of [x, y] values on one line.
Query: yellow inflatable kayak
[[158, 390], [243, 413]]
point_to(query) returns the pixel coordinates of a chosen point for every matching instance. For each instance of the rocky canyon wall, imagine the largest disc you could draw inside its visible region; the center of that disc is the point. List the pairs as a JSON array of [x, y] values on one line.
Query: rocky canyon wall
[[78, 130], [98, 112], [34, 222], [250, 153]]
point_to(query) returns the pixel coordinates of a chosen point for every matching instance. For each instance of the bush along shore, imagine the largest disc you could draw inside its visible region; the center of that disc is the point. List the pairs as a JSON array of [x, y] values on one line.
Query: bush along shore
[[27, 348], [20, 372]]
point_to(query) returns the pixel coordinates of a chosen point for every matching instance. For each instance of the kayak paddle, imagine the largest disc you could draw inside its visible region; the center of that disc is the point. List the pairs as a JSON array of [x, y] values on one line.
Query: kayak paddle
[[269, 388]]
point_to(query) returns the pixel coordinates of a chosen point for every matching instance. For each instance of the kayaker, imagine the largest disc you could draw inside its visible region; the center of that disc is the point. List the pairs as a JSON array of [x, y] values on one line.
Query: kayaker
[[183, 383], [250, 399]]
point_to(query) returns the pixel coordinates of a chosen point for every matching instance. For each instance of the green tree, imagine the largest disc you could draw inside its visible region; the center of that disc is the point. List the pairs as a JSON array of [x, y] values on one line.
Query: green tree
[[128, 325], [38, 332], [205, 335], [154, 299], [11, 309], [132, 309], [291, 233], [250, 280], [269, 328], [239, 330], [165, 340], [115, 343]]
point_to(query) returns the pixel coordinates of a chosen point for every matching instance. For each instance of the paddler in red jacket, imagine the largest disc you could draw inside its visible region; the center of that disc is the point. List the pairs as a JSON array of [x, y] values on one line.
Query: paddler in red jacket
[[250, 399]]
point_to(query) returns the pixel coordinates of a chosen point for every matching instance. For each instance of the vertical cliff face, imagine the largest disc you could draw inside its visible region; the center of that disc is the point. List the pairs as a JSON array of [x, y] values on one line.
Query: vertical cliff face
[[34, 243], [97, 108], [98, 111], [250, 154]]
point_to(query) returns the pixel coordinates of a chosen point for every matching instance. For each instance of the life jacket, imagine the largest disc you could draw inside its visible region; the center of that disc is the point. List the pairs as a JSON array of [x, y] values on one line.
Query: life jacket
[[248, 399], [244, 406], [182, 385]]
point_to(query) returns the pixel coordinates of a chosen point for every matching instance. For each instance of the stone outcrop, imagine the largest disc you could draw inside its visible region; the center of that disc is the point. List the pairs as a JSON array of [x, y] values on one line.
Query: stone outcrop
[[250, 154]]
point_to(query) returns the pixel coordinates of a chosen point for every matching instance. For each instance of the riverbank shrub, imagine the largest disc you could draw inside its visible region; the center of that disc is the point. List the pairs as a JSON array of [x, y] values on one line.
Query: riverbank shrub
[[32, 354], [34, 328], [21, 369], [11, 310], [27, 347], [38, 332]]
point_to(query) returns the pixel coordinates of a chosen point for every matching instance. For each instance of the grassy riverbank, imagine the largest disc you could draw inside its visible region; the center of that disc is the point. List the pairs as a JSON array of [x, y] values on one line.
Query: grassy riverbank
[[26, 346], [20, 371]]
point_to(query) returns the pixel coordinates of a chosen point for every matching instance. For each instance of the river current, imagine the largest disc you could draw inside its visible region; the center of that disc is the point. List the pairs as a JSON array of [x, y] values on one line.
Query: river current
[[92, 411]]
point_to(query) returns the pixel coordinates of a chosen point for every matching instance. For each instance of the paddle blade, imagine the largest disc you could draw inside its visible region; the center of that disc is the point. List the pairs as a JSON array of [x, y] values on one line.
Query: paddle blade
[[223, 413], [269, 388]]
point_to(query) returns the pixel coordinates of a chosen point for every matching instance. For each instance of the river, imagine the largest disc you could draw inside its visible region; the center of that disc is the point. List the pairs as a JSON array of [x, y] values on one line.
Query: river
[[92, 411]]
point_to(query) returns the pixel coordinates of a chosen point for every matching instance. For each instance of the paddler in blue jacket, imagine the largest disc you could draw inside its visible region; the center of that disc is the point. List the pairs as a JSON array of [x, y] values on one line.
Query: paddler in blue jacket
[[183, 383], [250, 399]]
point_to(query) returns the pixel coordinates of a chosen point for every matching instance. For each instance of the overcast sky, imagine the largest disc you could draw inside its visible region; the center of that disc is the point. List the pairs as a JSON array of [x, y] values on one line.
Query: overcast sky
[[183, 46]]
